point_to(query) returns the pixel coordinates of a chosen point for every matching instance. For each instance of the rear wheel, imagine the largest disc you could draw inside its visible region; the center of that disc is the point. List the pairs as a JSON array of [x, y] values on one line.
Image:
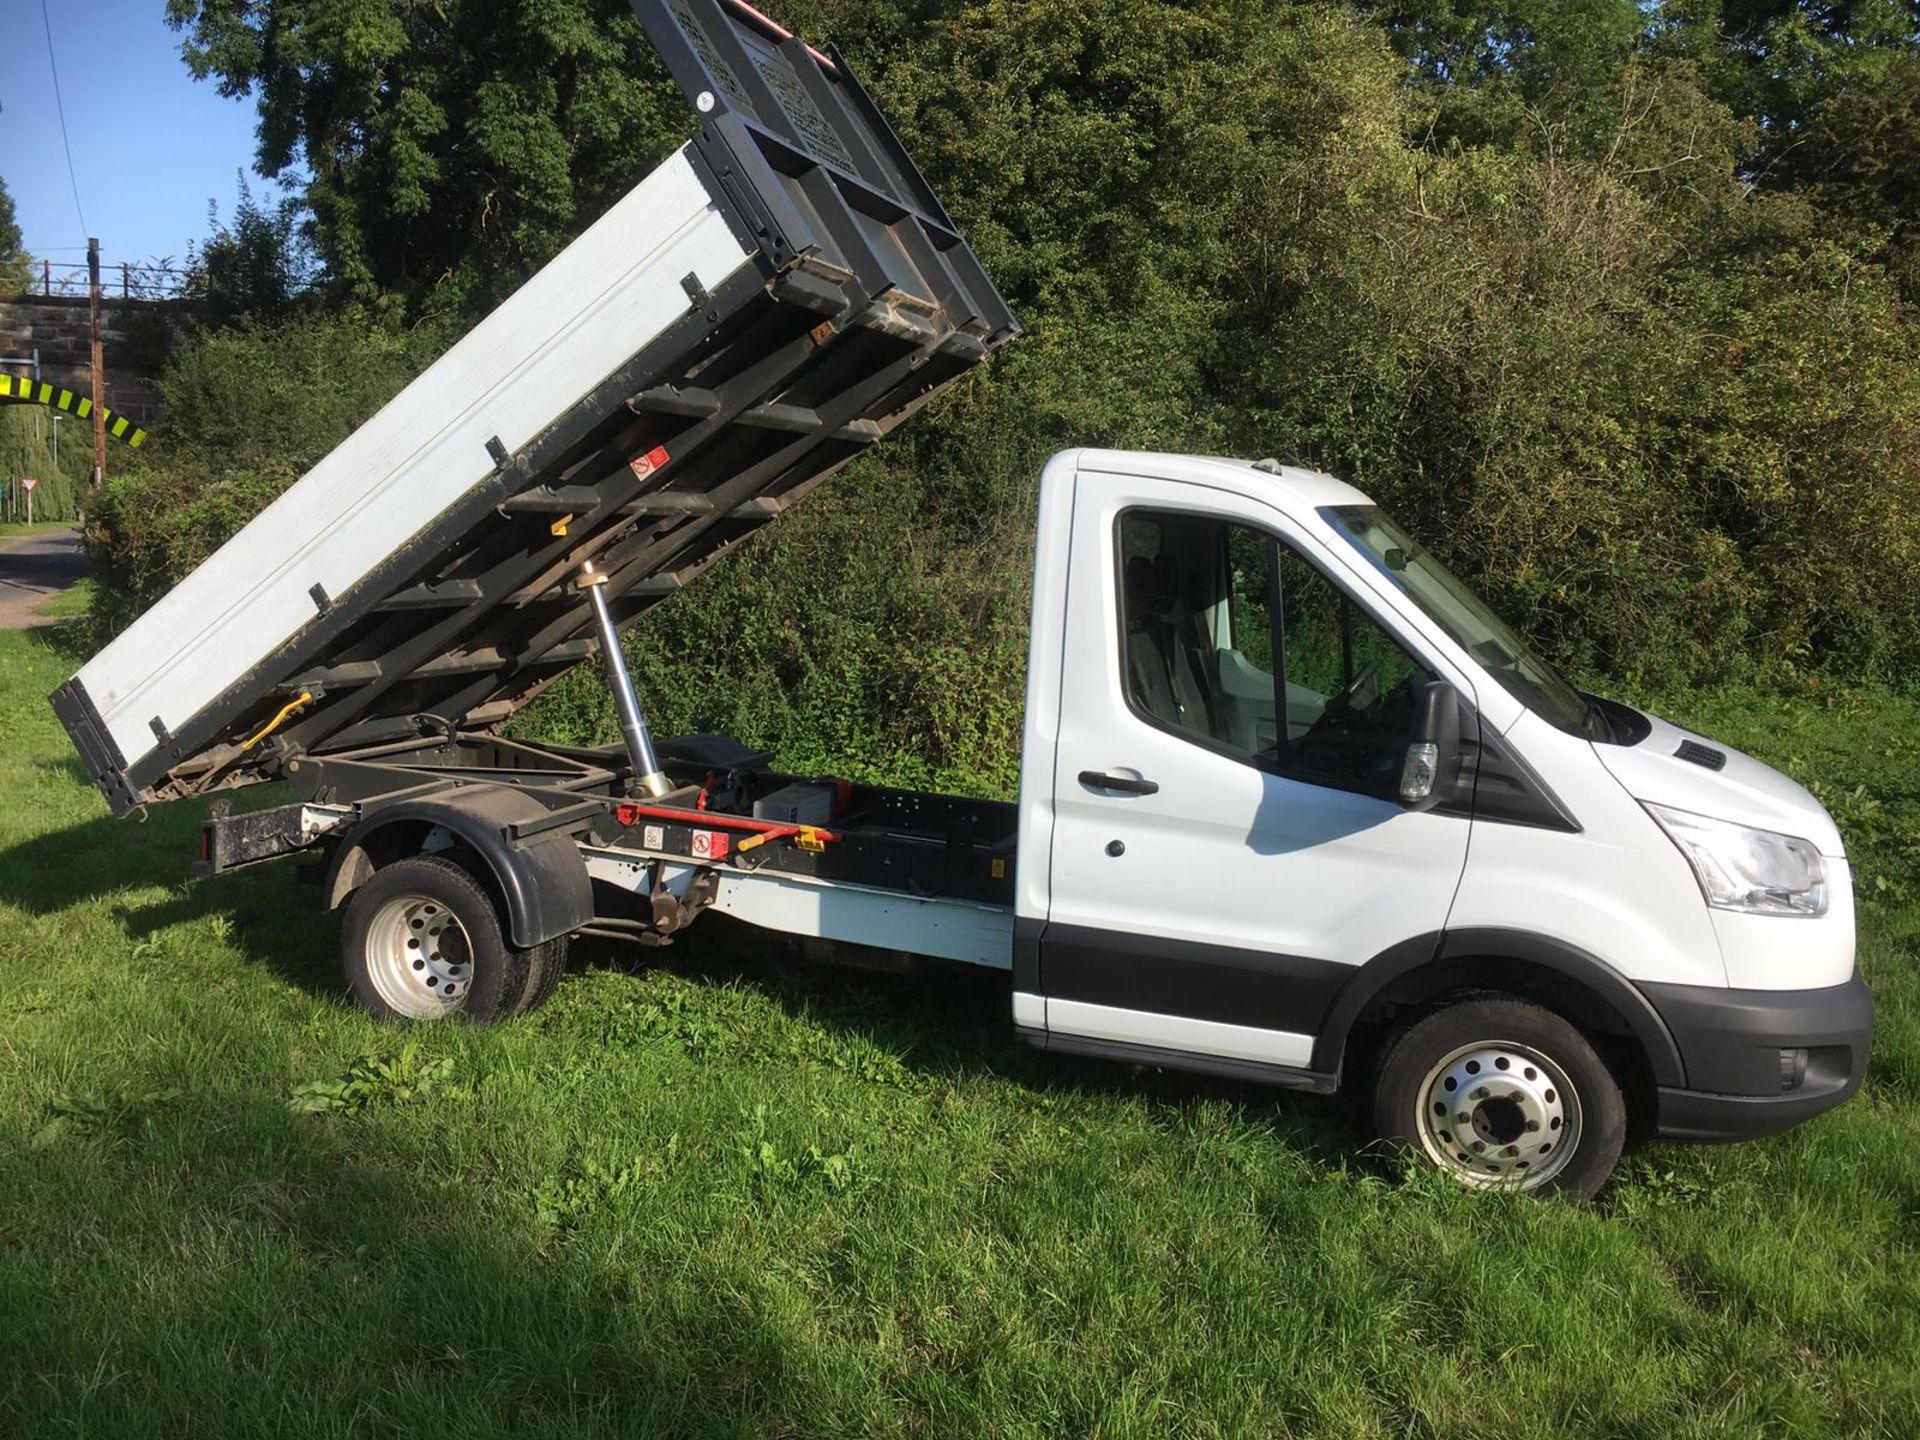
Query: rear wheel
[[545, 965], [1499, 1093], [423, 941]]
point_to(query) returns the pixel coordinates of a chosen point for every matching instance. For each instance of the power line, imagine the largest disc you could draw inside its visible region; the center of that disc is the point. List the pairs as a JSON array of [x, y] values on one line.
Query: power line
[[61, 106]]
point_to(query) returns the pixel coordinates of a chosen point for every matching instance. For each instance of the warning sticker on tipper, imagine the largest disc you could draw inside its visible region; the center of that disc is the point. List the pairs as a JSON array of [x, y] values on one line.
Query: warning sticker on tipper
[[709, 845], [654, 837], [644, 465]]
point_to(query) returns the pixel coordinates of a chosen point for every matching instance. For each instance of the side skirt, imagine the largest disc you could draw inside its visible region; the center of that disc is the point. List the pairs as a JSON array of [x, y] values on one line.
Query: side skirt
[[1285, 1077]]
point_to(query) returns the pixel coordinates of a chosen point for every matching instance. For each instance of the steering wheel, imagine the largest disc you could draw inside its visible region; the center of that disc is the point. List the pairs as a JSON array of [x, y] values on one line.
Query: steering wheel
[[1345, 699], [1327, 740]]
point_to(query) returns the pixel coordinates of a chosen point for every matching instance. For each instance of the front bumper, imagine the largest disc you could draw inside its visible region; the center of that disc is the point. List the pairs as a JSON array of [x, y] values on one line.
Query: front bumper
[[1760, 1061]]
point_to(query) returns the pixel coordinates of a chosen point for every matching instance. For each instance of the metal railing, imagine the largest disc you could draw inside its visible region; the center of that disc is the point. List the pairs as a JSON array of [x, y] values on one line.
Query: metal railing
[[124, 281]]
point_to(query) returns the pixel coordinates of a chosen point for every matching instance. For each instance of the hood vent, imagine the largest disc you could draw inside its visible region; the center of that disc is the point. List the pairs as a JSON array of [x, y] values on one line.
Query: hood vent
[[1698, 754]]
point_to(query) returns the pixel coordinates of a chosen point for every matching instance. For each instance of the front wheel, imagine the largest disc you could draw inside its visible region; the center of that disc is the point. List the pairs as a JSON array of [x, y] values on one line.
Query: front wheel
[[422, 940], [1502, 1093]]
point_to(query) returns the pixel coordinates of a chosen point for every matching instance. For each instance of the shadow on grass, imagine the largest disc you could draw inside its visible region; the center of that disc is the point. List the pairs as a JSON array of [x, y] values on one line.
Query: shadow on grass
[[72, 638], [949, 1021], [946, 1022], [248, 1271], [120, 863], [251, 1271]]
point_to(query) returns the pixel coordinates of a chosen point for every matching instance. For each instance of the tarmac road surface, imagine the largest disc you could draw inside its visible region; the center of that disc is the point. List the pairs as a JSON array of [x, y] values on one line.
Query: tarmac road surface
[[33, 569]]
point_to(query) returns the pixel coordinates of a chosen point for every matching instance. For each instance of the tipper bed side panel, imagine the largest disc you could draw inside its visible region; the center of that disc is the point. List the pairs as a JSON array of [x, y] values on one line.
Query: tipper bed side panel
[[539, 353], [773, 299]]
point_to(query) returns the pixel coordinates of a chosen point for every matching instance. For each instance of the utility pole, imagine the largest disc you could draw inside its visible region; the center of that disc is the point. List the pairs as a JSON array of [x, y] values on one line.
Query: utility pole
[[99, 366]]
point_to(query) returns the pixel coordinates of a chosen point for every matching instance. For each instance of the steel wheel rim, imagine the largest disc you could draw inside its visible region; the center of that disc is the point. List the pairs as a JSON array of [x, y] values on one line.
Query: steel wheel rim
[[419, 957], [1497, 1114]]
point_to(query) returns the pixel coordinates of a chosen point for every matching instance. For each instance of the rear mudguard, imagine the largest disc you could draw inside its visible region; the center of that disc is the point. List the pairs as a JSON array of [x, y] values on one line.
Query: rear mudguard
[[542, 883]]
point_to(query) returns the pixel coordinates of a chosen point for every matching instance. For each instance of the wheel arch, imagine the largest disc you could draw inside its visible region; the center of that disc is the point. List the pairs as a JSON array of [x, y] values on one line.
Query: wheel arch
[[541, 884], [1585, 990]]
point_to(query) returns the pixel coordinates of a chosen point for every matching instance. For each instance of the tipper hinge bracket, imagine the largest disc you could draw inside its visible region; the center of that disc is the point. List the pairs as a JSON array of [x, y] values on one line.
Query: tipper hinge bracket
[[322, 601], [497, 451], [701, 297]]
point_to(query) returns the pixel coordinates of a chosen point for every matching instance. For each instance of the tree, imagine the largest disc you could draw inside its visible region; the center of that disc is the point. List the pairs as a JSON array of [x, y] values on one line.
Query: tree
[[1594, 296], [15, 267], [1532, 44], [1860, 157], [453, 145], [255, 268], [1778, 61]]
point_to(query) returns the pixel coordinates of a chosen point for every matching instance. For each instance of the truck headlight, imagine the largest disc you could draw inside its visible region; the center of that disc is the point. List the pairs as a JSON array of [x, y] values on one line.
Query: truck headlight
[[1753, 871]]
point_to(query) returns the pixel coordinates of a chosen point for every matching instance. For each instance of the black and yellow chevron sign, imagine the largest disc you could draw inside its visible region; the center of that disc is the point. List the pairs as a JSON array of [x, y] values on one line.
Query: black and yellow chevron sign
[[20, 390]]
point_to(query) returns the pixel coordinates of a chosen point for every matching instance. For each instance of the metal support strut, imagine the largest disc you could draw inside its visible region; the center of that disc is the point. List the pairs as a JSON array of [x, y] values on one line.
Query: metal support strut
[[647, 778]]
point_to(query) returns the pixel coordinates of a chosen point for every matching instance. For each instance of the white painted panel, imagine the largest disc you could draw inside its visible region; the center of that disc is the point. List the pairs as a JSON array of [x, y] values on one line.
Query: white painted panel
[[1223, 853], [580, 318], [1029, 1010], [1046, 646], [1177, 1032], [948, 929], [963, 930]]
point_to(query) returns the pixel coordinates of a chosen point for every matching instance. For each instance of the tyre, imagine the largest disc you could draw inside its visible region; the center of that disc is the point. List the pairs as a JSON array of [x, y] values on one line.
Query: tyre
[[423, 941], [545, 965], [1499, 1093]]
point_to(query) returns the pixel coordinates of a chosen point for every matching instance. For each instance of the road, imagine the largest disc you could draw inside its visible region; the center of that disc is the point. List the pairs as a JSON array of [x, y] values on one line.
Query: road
[[33, 569]]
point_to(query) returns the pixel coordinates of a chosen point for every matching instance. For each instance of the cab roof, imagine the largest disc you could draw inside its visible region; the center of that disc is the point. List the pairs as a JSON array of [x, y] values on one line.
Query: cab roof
[[1294, 486]]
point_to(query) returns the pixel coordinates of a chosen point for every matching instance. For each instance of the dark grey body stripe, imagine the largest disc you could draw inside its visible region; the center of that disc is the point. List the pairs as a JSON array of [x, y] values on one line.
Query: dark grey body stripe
[[1181, 977]]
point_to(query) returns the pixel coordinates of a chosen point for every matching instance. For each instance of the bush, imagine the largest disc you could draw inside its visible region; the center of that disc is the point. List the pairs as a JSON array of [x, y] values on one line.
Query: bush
[[247, 412], [875, 634], [1664, 419]]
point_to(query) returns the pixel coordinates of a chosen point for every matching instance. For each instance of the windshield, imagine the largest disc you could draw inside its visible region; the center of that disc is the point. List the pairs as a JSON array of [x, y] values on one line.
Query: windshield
[[1464, 616]]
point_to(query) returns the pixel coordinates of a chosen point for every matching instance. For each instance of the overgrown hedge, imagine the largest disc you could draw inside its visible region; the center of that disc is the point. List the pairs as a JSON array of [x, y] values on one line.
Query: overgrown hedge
[[247, 412], [1669, 422], [26, 449]]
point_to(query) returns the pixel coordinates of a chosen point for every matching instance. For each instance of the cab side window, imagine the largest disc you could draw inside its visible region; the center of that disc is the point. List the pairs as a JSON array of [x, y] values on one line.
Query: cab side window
[[1233, 641], [1352, 693], [1198, 629]]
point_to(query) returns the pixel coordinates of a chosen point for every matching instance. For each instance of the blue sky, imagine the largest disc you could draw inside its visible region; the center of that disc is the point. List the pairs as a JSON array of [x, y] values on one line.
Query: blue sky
[[151, 145]]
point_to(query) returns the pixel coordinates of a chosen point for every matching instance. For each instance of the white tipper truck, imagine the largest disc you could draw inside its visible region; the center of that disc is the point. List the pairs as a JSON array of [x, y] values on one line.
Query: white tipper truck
[[1295, 807]]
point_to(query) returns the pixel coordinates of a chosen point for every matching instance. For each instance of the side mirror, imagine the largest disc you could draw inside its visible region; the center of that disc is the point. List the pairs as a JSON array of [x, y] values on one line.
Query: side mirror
[[1435, 750]]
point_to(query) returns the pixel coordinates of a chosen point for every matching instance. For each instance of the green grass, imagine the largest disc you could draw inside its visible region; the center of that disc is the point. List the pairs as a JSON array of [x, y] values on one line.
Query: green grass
[[71, 603], [709, 1192], [16, 529]]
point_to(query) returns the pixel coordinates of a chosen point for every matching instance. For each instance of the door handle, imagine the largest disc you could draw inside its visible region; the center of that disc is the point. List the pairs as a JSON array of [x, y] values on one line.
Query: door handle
[[1126, 784]]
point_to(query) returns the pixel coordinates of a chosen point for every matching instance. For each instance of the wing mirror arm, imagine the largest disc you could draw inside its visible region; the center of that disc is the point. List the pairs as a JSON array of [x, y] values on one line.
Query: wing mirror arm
[[1428, 775]]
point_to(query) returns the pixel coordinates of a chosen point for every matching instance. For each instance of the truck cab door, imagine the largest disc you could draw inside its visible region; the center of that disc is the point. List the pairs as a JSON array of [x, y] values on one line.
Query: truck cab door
[[1227, 843]]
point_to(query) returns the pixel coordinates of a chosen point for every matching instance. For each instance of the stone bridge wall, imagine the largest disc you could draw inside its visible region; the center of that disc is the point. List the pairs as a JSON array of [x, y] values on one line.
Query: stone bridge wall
[[136, 337]]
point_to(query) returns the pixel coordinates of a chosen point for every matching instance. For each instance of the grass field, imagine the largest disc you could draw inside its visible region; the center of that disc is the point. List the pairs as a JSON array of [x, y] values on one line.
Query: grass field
[[13, 530], [708, 1192]]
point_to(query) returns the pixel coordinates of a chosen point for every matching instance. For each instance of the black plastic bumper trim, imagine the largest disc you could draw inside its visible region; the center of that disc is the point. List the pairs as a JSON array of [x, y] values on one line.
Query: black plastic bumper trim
[[1696, 1115], [1731, 1044], [1730, 1040]]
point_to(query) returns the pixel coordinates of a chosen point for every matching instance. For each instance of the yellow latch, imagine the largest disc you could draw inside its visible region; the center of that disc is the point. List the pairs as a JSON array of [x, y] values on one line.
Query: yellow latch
[[559, 527], [305, 697]]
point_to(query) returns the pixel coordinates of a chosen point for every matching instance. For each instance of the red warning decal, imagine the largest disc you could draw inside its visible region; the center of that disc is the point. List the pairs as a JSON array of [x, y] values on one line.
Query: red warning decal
[[710, 844], [644, 465]]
